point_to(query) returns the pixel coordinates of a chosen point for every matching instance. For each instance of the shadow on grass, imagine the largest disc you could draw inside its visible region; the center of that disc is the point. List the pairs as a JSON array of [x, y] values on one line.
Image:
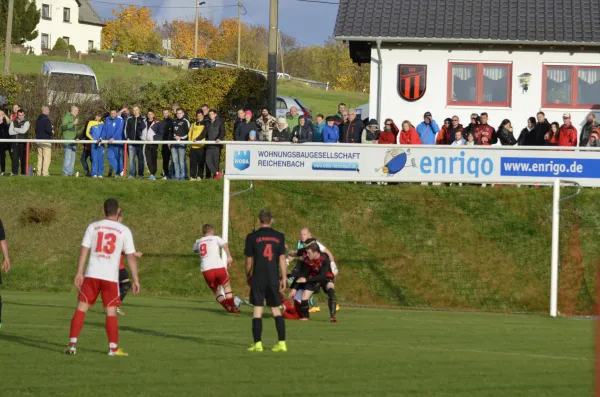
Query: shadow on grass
[[11, 303], [187, 338], [38, 343]]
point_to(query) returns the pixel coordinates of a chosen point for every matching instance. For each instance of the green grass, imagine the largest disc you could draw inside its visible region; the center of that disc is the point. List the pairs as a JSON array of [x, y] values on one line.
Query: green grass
[[181, 347], [408, 245], [320, 101], [21, 63]]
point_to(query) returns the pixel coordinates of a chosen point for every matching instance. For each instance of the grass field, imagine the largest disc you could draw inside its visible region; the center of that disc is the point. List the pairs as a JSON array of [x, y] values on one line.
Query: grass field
[[191, 347], [319, 100]]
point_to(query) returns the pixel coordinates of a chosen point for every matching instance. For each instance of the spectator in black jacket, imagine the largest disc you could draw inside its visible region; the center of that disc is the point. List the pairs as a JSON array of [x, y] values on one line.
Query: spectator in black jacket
[[351, 131], [44, 130], [181, 129], [281, 132], [167, 135], [4, 147], [242, 132], [505, 133], [215, 131], [528, 134], [205, 111], [133, 131], [542, 128], [303, 132], [241, 117]]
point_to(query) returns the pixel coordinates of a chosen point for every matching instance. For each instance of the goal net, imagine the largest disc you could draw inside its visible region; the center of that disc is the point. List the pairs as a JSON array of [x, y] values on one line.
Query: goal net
[[435, 247]]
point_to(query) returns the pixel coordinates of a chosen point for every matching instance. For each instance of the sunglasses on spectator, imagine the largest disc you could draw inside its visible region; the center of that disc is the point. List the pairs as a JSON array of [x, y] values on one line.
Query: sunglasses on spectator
[[565, 118], [388, 125]]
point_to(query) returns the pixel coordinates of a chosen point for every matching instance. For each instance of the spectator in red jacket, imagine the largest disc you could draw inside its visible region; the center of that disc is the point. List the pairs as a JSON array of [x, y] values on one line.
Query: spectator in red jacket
[[567, 134], [443, 137], [389, 133], [551, 136], [408, 135], [485, 134]]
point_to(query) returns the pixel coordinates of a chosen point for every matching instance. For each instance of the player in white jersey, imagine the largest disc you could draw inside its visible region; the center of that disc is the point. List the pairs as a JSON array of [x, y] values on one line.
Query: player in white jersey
[[104, 241], [212, 267]]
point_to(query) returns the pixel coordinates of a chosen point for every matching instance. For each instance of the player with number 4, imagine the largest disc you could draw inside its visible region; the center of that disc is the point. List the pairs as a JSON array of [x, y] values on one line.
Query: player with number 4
[[104, 241], [212, 267]]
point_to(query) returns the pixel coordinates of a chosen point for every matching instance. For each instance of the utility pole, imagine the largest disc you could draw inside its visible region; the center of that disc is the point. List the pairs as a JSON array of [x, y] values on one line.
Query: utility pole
[[8, 41], [280, 47], [196, 35], [272, 61], [239, 63]]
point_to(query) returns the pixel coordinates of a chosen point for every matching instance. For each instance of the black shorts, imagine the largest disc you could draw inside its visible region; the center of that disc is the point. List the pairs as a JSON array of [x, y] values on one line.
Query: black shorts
[[123, 276], [316, 287], [270, 293]]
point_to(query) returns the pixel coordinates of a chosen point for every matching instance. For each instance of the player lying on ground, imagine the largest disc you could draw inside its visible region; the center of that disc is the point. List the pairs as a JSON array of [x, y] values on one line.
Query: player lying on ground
[[103, 241], [124, 281], [291, 307], [315, 274], [299, 252], [5, 262], [265, 259], [212, 267]]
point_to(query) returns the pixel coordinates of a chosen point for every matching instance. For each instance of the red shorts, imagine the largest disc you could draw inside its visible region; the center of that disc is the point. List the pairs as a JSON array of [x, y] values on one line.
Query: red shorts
[[216, 277], [92, 287]]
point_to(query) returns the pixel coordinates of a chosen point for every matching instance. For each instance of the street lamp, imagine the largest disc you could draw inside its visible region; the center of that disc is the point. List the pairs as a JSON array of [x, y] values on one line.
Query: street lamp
[[196, 36]]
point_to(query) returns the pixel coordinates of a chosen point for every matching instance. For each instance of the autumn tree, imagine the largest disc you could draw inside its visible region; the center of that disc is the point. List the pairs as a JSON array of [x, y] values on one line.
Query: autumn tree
[[26, 17], [182, 37], [133, 29]]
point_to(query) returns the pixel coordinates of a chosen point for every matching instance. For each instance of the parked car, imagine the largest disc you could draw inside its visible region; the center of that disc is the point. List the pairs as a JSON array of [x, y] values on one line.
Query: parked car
[[138, 59], [200, 63], [130, 54], [285, 103], [155, 59], [283, 76]]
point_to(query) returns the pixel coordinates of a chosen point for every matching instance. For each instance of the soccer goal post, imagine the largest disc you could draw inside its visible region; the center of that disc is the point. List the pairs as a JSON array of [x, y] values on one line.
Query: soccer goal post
[[498, 249]]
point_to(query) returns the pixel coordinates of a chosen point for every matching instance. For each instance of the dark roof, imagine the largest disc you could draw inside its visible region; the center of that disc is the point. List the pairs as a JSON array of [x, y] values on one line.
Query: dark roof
[[87, 14], [561, 22]]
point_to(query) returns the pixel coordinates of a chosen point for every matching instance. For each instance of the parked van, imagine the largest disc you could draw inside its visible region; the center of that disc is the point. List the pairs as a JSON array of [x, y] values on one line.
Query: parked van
[[75, 81]]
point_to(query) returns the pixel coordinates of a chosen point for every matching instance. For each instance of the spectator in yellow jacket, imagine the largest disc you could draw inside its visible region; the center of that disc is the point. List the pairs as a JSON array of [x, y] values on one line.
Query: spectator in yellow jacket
[[197, 156]]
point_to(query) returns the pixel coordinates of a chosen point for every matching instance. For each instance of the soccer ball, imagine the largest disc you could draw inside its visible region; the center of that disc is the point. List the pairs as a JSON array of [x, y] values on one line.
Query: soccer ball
[[237, 302]]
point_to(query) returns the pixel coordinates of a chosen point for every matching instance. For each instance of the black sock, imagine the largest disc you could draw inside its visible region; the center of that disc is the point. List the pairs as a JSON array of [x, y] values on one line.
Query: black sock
[[280, 325], [304, 308], [332, 304], [257, 329], [124, 289]]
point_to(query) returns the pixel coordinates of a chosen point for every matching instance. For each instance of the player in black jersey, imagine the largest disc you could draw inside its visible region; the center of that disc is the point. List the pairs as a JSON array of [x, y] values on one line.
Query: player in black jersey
[[5, 263], [266, 272], [315, 273]]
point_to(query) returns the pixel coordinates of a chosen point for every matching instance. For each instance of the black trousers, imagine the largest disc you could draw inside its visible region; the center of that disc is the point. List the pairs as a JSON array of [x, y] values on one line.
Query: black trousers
[[166, 159], [18, 154], [4, 147], [213, 160], [197, 163], [152, 158]]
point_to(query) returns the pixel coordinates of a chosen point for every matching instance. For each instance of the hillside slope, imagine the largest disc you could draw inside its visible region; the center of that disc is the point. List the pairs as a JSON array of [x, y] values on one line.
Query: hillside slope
[[409, 245]]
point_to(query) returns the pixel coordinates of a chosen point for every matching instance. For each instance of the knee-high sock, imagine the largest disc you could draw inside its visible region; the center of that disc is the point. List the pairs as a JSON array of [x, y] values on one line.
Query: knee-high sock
[[0, 308], [280, 326], [257, 329], [332, 303], [112, 331], [76, 326], [304, 308]]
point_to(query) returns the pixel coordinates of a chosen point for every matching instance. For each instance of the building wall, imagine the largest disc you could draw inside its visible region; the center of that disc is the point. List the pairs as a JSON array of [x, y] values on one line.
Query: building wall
[[78, 34], [524, 104]]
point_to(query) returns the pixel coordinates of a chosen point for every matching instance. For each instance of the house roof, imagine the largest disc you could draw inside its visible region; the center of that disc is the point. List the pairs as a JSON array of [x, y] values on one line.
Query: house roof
[[528, 22], [87, 14]]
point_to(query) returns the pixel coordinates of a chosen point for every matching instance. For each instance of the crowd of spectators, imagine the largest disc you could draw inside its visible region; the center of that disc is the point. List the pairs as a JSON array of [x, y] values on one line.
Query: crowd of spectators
[[204, 160]]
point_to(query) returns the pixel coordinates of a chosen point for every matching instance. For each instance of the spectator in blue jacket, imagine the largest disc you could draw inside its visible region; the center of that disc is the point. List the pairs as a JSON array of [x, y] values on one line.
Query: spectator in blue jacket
[[97, 133], [114, 130], [331, 132], [428, 129]]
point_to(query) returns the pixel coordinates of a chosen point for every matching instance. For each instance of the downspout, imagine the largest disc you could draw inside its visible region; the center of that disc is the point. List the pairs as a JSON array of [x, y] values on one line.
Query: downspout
[[379, 78]]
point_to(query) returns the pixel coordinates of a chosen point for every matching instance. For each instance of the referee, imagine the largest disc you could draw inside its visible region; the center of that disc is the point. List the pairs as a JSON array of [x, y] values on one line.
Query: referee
[[266, 273], [5, 263]]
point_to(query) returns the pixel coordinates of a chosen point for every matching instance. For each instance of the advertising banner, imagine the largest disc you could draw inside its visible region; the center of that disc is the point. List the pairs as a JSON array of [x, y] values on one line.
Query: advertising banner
[[411, 164]]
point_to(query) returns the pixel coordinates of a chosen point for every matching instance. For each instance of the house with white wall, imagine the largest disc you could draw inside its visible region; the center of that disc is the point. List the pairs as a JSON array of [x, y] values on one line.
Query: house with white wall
[[73, 20], [508, 58]]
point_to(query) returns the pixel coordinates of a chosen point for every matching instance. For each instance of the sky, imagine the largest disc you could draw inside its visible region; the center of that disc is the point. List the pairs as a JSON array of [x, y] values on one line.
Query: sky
[[309, 23]]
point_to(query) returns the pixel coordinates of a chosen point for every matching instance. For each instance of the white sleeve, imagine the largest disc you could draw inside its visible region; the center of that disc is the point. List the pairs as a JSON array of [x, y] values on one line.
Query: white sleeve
[[128, 246], [197, 246], [87, 238], [220, 242], [321, 246]]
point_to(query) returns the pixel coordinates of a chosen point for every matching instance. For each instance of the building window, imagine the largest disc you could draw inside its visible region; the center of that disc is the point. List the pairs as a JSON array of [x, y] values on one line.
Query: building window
[[90, 45], [66, 14], [46, 12], [45, 41], [479, 84], [66, 39], [573, 87]]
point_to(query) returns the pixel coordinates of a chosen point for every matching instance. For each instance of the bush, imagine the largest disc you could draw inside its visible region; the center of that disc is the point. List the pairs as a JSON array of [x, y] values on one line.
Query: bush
[[9, 88], [60, 45], [72, 49]]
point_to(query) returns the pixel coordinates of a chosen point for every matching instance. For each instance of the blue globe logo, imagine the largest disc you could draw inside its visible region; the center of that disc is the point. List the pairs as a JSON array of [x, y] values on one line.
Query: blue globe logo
[[394, 161]]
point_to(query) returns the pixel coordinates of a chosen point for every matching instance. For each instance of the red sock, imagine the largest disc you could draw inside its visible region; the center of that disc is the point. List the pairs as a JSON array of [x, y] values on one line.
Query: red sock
[[225, 304], [231, 302], [76, 326], [112, 330]]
